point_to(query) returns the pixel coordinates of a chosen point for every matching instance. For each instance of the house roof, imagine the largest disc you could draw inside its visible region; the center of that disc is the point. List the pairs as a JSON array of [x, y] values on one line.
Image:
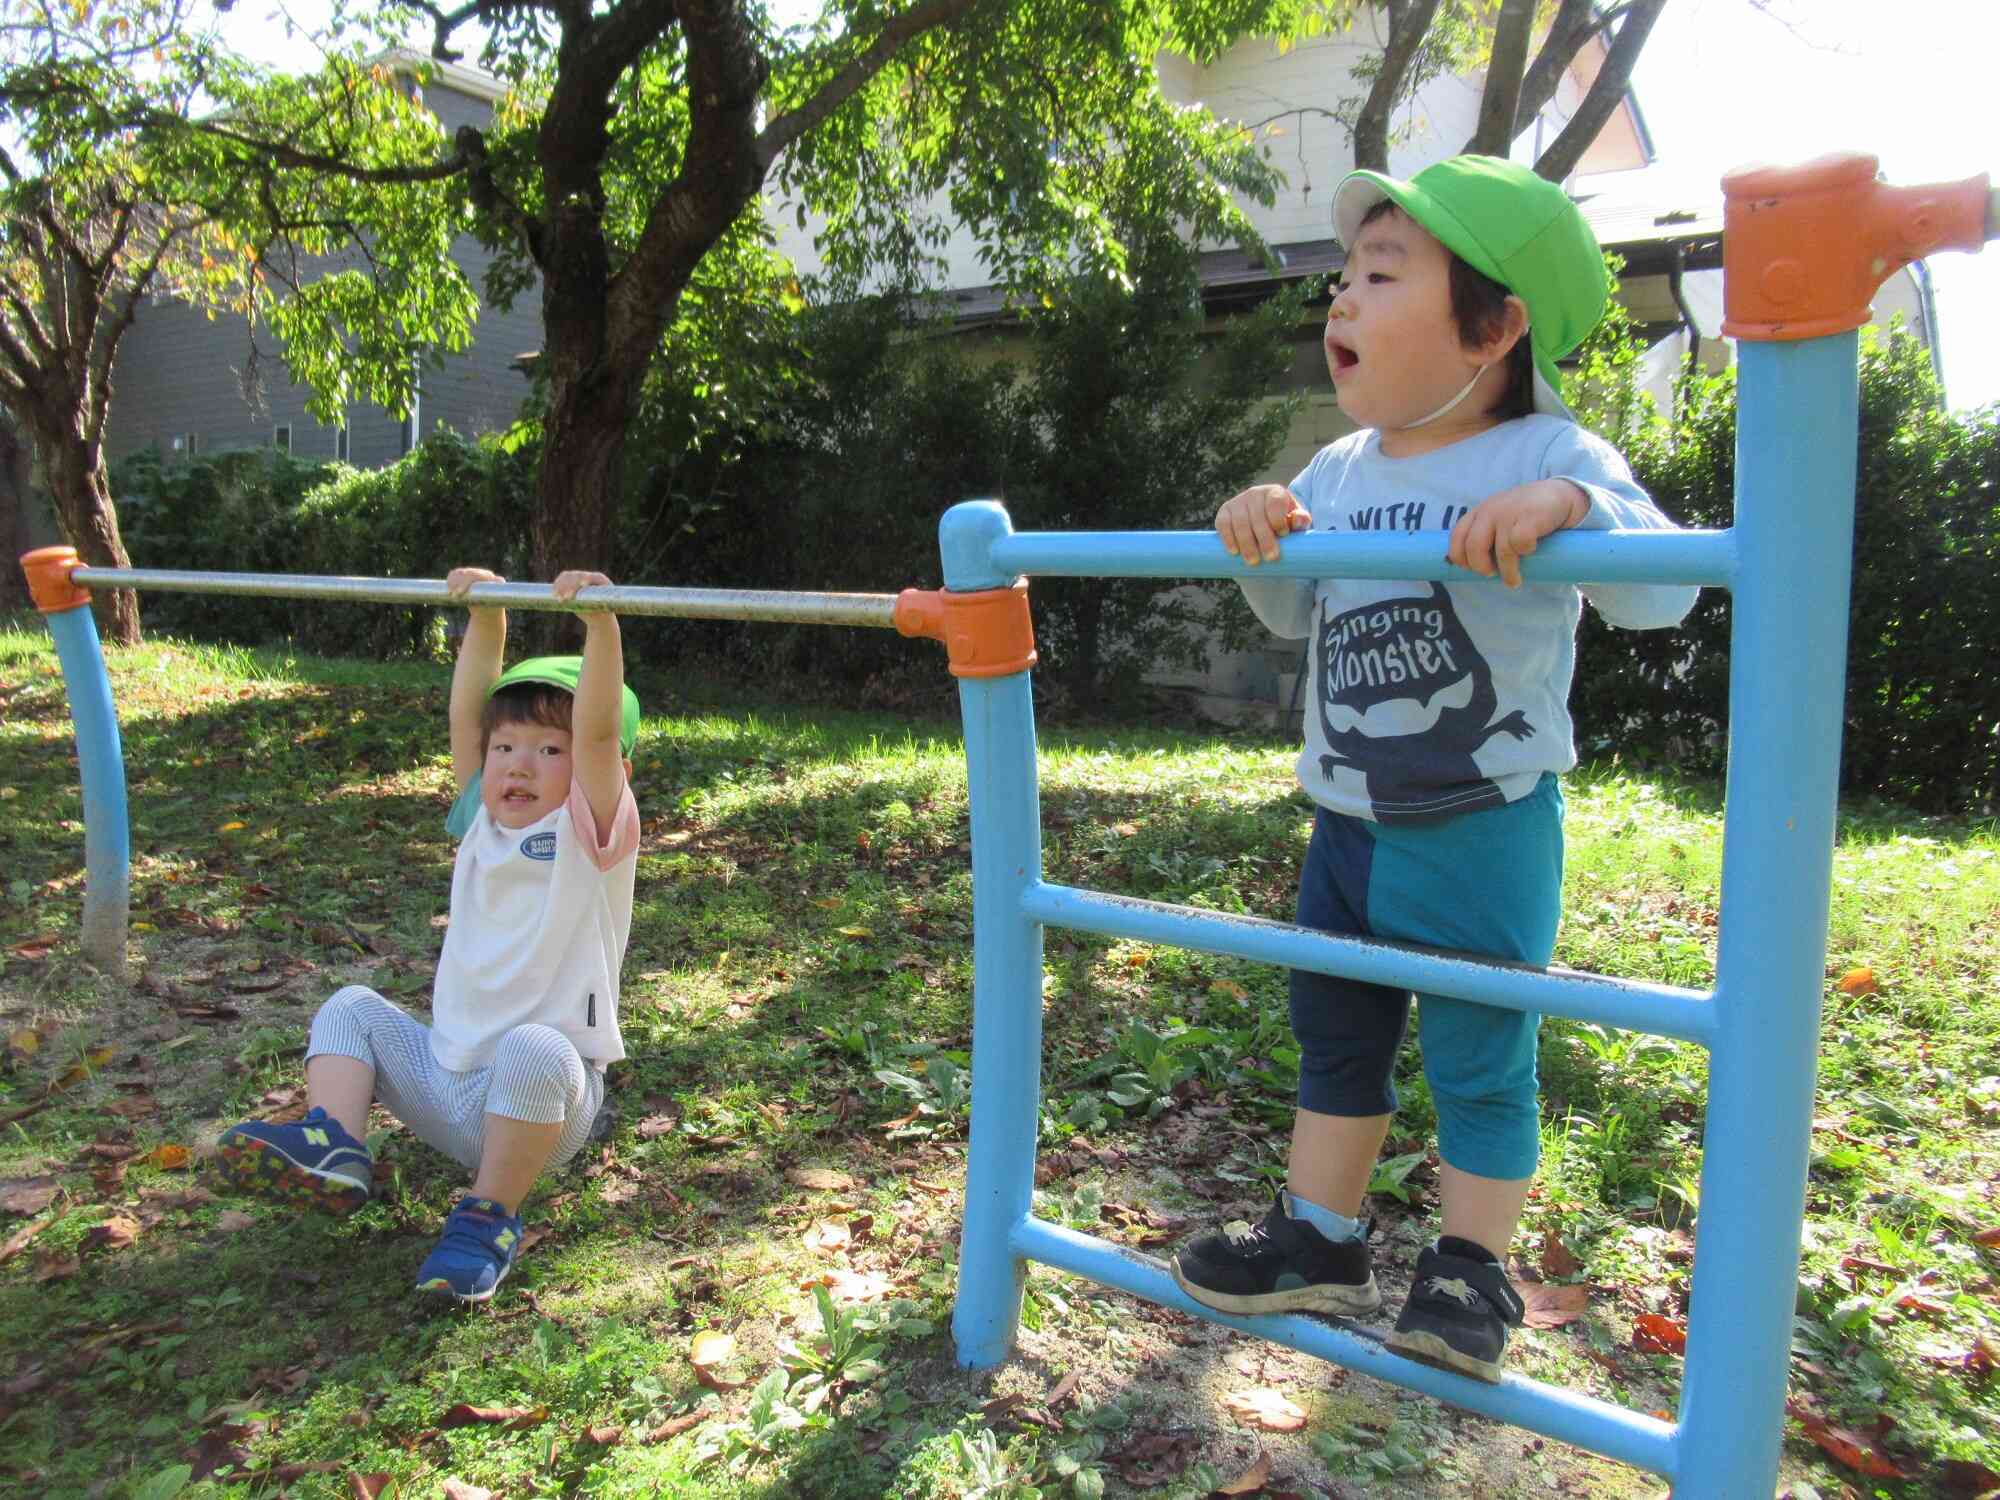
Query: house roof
[[1655, 230]]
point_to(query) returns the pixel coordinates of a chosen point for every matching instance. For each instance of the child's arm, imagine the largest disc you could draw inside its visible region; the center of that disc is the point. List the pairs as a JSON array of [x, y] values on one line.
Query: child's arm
[[479, 656], [1251, 526], [597, 716]]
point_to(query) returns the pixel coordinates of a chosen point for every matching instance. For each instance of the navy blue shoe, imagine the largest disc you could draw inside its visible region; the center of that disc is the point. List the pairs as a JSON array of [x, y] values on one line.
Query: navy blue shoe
[[474, 1254], [1461, 1306], [312, 1162]]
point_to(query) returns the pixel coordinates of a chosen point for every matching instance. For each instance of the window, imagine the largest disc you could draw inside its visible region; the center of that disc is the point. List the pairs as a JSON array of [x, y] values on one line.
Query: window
[[281, 437], [184, 443], [340, 443]]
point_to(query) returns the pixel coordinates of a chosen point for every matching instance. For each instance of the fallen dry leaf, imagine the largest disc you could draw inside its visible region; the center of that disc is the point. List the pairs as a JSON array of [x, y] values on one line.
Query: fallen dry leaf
[[54, 1267], [1845, 1446], [1961, 1476], [169, 1158], [1264, 1407], [654, 1126], [1151, 1459], [826, 1236], [711, 1347], [19, 1239], [1553, 1306], [371, 1486], [119, 1232], [820, 1179], [230, 1220], [28, 1195], [508, 1418], [1655, 1334], [458, 1489], [1558, 1262], [1859, 981], [857, 1286], [1251, 1480], [133, 1106], [604, 1437], [675, 1426], [1988, 1237]]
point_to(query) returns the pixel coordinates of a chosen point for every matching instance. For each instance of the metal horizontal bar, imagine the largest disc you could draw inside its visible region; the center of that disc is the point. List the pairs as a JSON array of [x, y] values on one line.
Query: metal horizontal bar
[[1627, 1004], [1628, 1436], [877, 611], [1679, 557]]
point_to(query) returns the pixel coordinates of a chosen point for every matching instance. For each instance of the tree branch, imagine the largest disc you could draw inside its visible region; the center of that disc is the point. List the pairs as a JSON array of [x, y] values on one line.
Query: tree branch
[[1499, 101], [1606, 91], [1575, 23], [837, 90], [1409, 21]]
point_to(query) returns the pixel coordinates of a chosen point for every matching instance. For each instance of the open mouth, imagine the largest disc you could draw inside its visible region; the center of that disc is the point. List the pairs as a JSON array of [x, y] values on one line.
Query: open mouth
[[1344, 358]]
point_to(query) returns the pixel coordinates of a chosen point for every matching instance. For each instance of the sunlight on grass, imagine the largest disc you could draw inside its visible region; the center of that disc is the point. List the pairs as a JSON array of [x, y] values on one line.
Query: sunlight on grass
[[794, 1112]]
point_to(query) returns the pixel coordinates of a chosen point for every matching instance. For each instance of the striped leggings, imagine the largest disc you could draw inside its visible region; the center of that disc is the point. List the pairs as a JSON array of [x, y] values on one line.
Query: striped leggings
[[536, 1075]]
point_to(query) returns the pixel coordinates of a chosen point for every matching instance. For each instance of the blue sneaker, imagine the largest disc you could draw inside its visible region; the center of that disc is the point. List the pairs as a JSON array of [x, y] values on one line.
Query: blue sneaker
[[474, 1254], [312, 1162]]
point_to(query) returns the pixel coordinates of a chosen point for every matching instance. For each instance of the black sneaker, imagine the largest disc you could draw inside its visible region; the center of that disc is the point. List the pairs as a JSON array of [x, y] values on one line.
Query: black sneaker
[[1461, 1306], [1280, 1264]]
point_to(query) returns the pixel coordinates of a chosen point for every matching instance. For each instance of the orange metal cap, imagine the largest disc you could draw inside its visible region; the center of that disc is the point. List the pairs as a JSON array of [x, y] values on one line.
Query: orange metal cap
[[986, 633], [48, 570], [1804, 248]]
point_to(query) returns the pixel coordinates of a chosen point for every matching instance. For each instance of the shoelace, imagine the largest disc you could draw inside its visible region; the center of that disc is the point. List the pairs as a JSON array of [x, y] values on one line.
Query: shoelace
[[1243, 1235], [1453, 1287], [460, 1235]]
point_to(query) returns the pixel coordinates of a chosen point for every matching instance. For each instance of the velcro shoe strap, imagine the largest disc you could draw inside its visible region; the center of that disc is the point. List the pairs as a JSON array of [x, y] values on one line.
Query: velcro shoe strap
[[1485, 1278]]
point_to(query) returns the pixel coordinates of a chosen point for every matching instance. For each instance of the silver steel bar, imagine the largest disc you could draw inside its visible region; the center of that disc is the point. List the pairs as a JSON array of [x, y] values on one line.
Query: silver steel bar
[[876, 611]]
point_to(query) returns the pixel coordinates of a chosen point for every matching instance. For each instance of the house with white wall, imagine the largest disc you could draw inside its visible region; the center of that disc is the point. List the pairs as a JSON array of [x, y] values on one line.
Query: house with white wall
[[1668, 231]]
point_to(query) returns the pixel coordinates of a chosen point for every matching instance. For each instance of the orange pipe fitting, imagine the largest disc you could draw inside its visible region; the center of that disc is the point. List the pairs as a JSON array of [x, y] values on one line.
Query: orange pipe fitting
[[48, 570], [1805, 247], [986, 633]]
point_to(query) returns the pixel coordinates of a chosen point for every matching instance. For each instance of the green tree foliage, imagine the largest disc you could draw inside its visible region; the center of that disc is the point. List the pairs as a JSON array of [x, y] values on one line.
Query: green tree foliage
[[125, 176], [1923, 706]]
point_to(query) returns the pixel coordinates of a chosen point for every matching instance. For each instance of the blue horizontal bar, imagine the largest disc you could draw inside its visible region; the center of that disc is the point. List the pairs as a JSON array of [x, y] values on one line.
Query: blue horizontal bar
[[1628, 1436], [1683, 557], [1625, 1003]]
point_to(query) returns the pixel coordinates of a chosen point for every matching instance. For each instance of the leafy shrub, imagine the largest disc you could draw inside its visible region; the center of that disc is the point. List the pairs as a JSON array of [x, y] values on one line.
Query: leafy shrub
[[451, 500], [1923, 707]]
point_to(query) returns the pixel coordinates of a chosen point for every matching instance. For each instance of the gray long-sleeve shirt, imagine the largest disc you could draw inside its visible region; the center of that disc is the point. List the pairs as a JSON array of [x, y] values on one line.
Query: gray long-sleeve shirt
[[1429, 698]]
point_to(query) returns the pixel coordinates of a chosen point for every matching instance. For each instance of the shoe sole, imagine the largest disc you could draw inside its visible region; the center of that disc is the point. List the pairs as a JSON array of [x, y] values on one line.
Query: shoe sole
[[257, 1167], [1329, 1298], [438, 1287], [1429, 1349]]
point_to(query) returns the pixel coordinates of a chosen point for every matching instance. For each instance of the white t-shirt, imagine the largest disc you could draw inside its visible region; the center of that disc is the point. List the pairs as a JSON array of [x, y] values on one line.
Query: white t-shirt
[[539, 919]]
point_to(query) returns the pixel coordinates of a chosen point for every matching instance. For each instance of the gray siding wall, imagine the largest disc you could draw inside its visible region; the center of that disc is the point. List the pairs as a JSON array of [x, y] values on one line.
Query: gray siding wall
[[180, 375]]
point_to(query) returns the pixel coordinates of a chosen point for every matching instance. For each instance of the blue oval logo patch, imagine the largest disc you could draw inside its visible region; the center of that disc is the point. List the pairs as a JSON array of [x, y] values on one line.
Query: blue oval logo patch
[[539, 846]]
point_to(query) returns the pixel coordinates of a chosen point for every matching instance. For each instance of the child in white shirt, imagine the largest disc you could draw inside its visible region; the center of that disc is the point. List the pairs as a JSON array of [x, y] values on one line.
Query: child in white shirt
[[509, 1076]]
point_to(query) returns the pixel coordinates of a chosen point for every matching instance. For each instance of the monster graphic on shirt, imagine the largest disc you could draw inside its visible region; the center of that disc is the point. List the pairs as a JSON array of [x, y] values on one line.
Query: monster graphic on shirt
[[1406, 699]]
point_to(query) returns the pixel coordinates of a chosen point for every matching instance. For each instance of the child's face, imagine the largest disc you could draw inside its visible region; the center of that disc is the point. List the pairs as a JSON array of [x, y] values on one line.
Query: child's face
[[526, 773], [1392, 345]]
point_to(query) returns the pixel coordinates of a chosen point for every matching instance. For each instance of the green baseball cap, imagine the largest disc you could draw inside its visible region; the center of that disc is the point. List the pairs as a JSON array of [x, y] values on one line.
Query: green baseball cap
[[1512, 226], [564, 672]]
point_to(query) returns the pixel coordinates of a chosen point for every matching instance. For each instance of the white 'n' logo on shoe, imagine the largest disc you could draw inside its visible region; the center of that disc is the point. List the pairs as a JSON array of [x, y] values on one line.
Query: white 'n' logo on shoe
[[318, 1137]]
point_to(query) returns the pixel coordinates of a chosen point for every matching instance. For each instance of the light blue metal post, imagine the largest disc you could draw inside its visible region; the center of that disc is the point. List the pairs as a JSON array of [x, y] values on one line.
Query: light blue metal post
[[1795, 463], [107, 854], [1006, 968]]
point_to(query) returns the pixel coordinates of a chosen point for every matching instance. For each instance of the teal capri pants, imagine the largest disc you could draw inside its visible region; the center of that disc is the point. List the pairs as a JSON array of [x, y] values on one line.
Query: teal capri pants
[[1486, 882]]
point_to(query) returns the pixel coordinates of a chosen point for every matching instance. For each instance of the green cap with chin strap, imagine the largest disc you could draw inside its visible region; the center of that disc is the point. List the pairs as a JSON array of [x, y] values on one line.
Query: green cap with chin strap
[[554, 671], [1512, 227], [565, 672]]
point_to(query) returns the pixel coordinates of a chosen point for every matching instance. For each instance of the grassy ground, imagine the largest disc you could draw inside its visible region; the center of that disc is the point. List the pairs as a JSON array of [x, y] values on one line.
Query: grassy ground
[[746, 1291]]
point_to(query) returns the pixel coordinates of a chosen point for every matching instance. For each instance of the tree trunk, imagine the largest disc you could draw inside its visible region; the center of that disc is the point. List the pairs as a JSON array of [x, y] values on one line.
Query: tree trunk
[[1500, 100], [81, 491], [1409, 21], [1609, 87]]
